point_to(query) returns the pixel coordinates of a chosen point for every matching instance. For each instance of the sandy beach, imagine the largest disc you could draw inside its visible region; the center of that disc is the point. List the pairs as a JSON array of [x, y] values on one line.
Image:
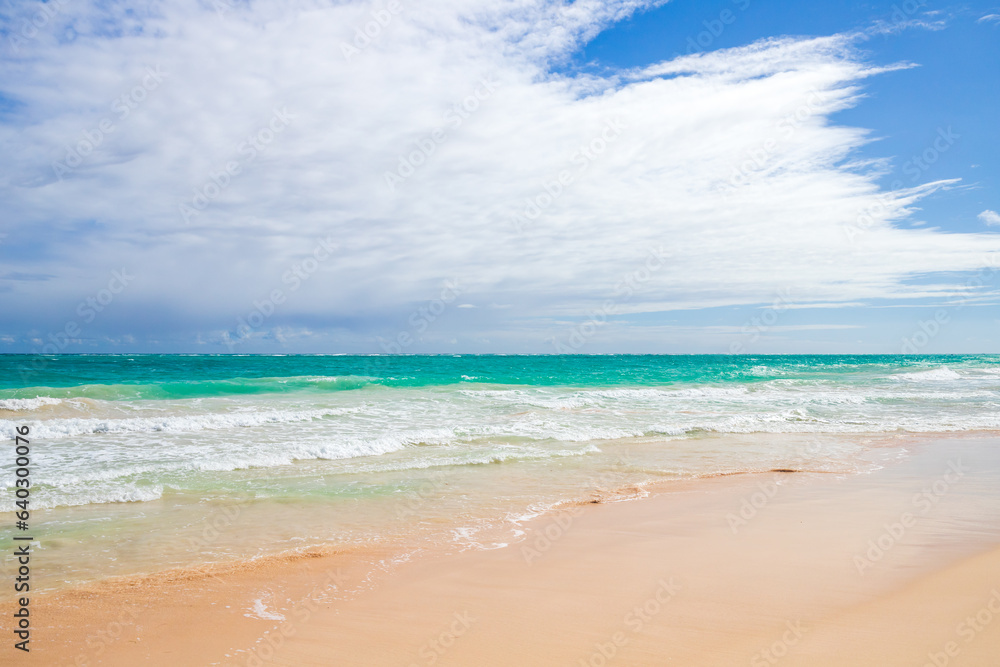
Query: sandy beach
[[896, 567], [580, 333]]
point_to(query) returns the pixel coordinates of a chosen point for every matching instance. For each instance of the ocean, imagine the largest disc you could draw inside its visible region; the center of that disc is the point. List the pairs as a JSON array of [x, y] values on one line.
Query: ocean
[[145, 462]]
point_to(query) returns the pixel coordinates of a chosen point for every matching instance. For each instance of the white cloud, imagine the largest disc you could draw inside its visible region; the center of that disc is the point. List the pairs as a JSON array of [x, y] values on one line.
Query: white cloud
[[990, 217], [990, 18], [726, 160]]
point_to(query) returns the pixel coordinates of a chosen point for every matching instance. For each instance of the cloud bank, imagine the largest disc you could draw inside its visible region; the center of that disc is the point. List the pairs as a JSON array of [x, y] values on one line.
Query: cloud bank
[[357, 158]]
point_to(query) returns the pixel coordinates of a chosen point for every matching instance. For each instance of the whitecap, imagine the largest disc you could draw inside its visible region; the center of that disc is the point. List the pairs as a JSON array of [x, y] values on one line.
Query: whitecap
[[942, 374], [18, 404]]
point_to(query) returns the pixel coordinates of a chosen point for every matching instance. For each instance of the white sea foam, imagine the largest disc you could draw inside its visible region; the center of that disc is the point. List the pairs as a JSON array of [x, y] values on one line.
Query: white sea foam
[[934, 375], [259, 610], [130, 450], [589, 397], [662, 429], [20, 404], [249, 460], [550, 429], [62, 428], [76, 495], [658, 394]]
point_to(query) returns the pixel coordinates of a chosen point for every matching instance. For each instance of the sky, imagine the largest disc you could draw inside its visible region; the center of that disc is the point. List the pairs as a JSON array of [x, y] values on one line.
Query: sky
[[476, 176]]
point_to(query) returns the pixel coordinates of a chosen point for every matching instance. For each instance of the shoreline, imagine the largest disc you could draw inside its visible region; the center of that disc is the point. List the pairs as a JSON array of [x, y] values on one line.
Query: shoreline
[[454, 506], [570, 582]]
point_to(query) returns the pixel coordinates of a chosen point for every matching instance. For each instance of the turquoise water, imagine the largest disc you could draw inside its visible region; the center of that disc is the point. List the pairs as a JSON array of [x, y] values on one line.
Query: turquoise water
[[180, 376], [124, 428], [131, 453]]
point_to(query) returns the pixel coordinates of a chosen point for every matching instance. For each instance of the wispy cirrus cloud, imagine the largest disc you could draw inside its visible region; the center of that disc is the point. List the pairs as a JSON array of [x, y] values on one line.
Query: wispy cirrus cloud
[[727, 160]]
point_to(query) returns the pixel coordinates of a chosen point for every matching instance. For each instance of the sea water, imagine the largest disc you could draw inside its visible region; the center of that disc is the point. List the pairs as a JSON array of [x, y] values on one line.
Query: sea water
[[146, 462]]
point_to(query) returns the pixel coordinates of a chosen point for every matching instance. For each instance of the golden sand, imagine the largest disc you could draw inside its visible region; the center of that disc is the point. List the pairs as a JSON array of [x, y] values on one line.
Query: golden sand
[[771, 569]]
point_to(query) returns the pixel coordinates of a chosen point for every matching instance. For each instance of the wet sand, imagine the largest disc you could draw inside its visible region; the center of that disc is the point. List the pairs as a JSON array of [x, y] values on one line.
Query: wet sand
[[784, 568]]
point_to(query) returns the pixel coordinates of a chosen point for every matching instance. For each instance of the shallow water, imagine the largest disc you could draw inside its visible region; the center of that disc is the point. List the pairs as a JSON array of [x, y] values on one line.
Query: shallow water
[[145, 462]]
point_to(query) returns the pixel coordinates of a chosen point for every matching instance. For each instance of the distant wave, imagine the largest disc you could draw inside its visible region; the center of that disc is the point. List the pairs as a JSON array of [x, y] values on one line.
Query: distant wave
[[27, 404], [120, 492], [191, 389], [61, 428], [124, 485], [943, 374]]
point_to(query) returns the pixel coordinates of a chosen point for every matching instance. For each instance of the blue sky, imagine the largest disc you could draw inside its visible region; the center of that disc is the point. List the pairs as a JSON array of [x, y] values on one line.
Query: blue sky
[[958, 56], [481, 176]]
